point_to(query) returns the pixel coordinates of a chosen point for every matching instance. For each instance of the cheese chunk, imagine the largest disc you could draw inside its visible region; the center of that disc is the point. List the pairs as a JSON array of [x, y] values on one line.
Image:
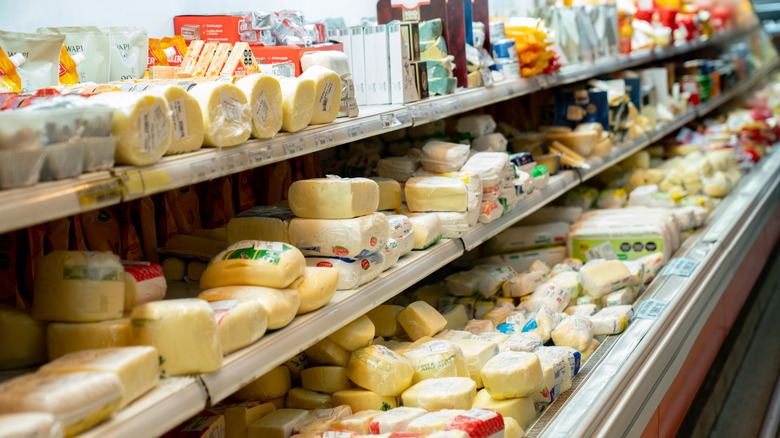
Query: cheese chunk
[[520, 409], [264, 95], [436, 193], [298, 363], [359, 423], [255, 263], [278, 424], [23, 339], [141, 124], [523, 342], [332, 59], [390, 194], [512, 374], [144, 282], [476, 125], [420, 319], [564, 362], [280, 305], [385, 320], [298, 101], [435, 359], [30, 424], [441, 393], [241, 323], [260, 223], [333, 197], [362, 400], [186, 118], [327, 93], [240, 416], [611, 320], [225, 111], [299, 398], [327, 379], [273, 384], [352, 272], [184, 333], [79, 286], [379, 369], [320, 421], [136, 367], [477, 353], [77, 400], [443, 157], [402, 231], [356, 334], [551, 367], [316, 289], [573, 331], [327, 352], [64, 337], [395, 420], [600, 279], [433, 421], [345, 238], [427, 230], [456, 317]]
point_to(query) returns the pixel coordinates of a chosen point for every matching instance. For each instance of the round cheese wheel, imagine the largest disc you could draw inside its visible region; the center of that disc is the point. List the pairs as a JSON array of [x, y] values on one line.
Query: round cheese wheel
[[327, 96], [225, 112], [298, 100], [254, 263], [186, 119]]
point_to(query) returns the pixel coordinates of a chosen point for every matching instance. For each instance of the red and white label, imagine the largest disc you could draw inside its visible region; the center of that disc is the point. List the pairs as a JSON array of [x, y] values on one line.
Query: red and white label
[[143, 271], [365, 264], [478, 423], [324, 265]]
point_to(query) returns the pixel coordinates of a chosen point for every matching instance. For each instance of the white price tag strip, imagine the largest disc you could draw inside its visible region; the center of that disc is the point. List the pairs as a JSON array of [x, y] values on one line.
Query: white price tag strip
[[204, 170], [681, 266], [389, 121], [650, 309], [324, 139], [292, 147], [260, 155], [356, 131], [543, 81]]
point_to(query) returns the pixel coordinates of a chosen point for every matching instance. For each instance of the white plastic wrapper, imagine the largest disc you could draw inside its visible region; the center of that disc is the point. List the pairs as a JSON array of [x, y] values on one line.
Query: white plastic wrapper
[[464, 283], [454, 224], [391, 253], [553, 378], [477, 125], [611, 198], [474, 186], [652, 264], [490, 166], [344, 238], [574, 331], [490, 211], [553, 294], [586, 310], [495, 142], [611, 320], [397, 168], [637, 271], [493, 280], [542, 322], [512, 323], [402, 232], [427, 230], [561, 268], [352, 273], [527, 342], [642, 195], [524, 283], [444, 157]]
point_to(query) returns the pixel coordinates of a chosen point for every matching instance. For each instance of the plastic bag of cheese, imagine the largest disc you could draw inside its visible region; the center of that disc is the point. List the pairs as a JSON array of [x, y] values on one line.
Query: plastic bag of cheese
[[542, 322], [494, 279], [440, 393], [281, 305], [527, 342], [476, 125], [427, 230], [254, 262], [435, 359], [554, 294], [31, 424], [344, 238], [264, 96], [390, 253], [402, 232], [390, 194], [465, 283], [490, 211], [490, 166], [573, 331], [611, 320], [226, 114], [380, 370], [397, 168], [144, 282], [424, 194], [454, 224], [603, 278], [327, 93], [316, 289], [443, 157], [260, 223], [298, 101], [186, 118], [524, 283], [352, 272], [432, 422], [495, 142], [394, 420], [474, 186]]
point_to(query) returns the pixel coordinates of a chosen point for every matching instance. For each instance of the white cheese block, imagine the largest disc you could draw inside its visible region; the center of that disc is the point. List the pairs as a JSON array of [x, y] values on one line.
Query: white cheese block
[[402, 232], [363, 400], [443, 157], [264, 96], [345, 238], [77, 400], [65, 337], [273, 384], [332, 59], [24, 339], [30, 425], [477, 326], [141, 124], [299, 398], [327, 93], [512, 374], [433, 421], [79, 286], [385, 320], [519, 238], [603, 278], [136, 367], [241, 323], [420, 319], [298, 99], [520, 409], [280, 305], [427, 230], [394, 420], [333, 197], [441, 393], [390, 193], [356, 334], [352, 272], [477, 353], [495, 142], [186, 119], [328, 379], [260, 223], [226, 114], [436, 194], [611, 320], [476, 125], [436, 359], [278, 424], [379, 369], [317, 288], [327, 352], [490, 166], [254, 262], [397, 168], [542, 323], [359, 423]]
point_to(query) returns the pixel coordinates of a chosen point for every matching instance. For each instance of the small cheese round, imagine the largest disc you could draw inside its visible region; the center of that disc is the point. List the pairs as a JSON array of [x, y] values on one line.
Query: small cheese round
[[298, 100]]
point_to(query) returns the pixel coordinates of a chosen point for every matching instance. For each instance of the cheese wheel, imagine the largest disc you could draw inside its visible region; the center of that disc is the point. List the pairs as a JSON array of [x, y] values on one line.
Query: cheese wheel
[[441, 393], [327, 352], [264, 95], [333, 197], [317, 288], [512, 374], [436, 359], [256, 263], [79, 286], [329, 379], [297, 364], [260, 223], [346, 238], [363, 400], [186, 118], [379, 369], [327, 95], [30, 424], [299, 398], [225, 112], [273, 384], [280, 305], [419, 319], [298, 100], [356, 334], [142, 126], [390, 194], [240, 322], [24, 339], [66, 337], [520, 409]]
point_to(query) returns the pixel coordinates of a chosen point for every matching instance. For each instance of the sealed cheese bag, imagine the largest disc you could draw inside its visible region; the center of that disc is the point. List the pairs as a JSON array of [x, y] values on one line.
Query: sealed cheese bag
[[380, 370], [573, 331], [442, 157], [186, 118], [352, 272], [264, 94], [66, 337], [260, 223], [298, 102], [327, 93], [435, 359], [92, 43], [144, 282], [241, 322], [346, 238], [402, 232], [441, 393], [129, 46], [225, 112], [254, 262], [281, 305]]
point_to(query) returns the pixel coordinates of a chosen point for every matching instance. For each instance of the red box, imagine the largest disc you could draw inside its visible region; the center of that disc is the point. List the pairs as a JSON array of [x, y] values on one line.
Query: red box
[[213, 28], [275, 54]]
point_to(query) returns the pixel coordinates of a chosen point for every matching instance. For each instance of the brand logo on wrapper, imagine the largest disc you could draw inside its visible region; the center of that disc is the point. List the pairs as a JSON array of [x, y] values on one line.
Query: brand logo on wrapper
[[373, 241], [365, 264], [340, 251], [324, 265]]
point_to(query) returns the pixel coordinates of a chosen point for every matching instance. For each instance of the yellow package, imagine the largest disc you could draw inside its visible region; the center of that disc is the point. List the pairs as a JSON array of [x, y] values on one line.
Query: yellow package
[[155, 55], [174, 49], [68, 73], [9, 78], [204, 60], [218, 61]]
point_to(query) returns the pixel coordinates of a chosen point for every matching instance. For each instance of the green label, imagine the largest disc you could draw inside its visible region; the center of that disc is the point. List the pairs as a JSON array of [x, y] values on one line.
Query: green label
[[93, 273], [268, 255], [625, 249]]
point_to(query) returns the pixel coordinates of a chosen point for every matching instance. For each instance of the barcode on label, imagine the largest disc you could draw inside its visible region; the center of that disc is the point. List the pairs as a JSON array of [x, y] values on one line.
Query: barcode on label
[[326, 97], [294, 147], [681, 266], [260, 155], [231, 107], [650, 309], [179, 119], [99, 194], [356, 131], [389, 121], [323, 139], [204, 170]]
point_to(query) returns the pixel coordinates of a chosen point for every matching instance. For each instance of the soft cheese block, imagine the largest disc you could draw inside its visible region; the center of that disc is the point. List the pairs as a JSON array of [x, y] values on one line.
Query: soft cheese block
[[264, 95], [136, 367], [183, 331], [477, 353], [225, 111], [512, 374], [327, 352], [316, 289], [278, 424], [352, 272], [356, 334], [520, 409], [379, 369], [436, 359], [390, 194], [441, 393], [443, 157], [299, 398], [298, 99], [362, 400], [333, 197], [402, 232], [359, 423], [327, 94], [186, 119], [256, 263], [345, 238], [436, 194], [490, 166], [433, 421], [23, 339], [30, 424], [395, 420], [260, 223], [420, 319], [273, 384], [426, 230], [142, 126], [280, 305], [79, 286], [611, 320], [66, 337], [241, 323]]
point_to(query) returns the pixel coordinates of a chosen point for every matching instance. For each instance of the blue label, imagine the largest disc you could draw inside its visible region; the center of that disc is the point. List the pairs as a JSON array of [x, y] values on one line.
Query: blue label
[[577, 362], [507, 328], [530, 326]]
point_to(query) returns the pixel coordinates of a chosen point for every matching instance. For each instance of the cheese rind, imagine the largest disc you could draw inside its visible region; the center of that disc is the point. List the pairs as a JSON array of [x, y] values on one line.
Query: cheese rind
[[327, 94], [356, 334], [390, 194], [255, 263], [362, 400], [512, 374], [317, 288], [23, 339], [278, 424], [379, 369], [441, 393], [241, 323], [333, 197], [264, 95], [280, 305], [436, 193], [298, 100], [186, 119], [64, 337], [419, 319], [346, 238], [225, 111], [273, 384]]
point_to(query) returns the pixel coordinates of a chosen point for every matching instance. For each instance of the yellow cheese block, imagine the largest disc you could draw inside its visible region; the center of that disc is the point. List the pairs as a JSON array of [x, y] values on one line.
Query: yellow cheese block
[[434, 422], [581, 142], [436, 193], [255, 263], [264, 94], [327, 95], [280, 304], [186, 119], [241, 323], [512, 374], [521, 410], [359, 423], [512, 428], [299, 398], [441, 393], [278, 424], [327, 352], [385, 319], [225, 112], [327, 379], [174, 269], [136, 367], [456, 317], [183, 331], [65, 337], [79, 286], [298, 100], [317, 288], [379, 369], [195, 270], [477, 353], [354, 335], [390, 194], [238, 417], [23, 339], [362, 400], [435, 359], [420, 319], [271, 385], [333, 197]]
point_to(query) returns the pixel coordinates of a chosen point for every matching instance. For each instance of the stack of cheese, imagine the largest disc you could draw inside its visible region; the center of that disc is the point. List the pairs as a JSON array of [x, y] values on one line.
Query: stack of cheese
[[433, 50], [338, 62]]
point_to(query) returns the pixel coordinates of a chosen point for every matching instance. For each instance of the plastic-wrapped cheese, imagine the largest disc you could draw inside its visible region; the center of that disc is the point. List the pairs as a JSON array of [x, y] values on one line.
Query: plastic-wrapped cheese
[[512, 374], [524, 284], [478, 423], [327, 352], [603, 278], [443, 157], [136, 367], [433, 421], [554, 378], [436, 194], [520, 409], [64, 337], [554, 294], [359, 423], [581, 310], [345, 238], [79, 286], [260, 223], [474, 187], [380, 370], [280, 305], [397, 168], [24, 339], [390, 254], [264, 95], [426, 230], [436, 359], [332, 59], [419, 319], [186, 119], [141, 125], [299, 398], [225, 110], [573, 331], [30, 424], [523, 342], [333, 197], [390, 194], [241, 323], [77, 400], [477, 353], [327, 93], [273, 384], [144, 282], [611, 320], [542, 323], [363, 400], [321, 420], [298, 101], [352, 272], [490, 211], [490, 167], [494, 280], [495, 142], [254, 262], [476, 125], [317, 288], [441, 393], [328, 379], [394, 420], [278, 424], [454, 224]]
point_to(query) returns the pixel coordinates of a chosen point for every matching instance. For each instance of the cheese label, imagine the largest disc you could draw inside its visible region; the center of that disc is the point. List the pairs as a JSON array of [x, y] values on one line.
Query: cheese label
[[260, 109], [231, 107], [269, 252], [153, 128], [91, 272], [179, 119], [326, 98]]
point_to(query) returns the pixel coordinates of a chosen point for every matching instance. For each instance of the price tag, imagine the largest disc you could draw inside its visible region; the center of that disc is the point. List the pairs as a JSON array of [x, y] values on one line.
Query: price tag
[[294, 147], [260, 155], [97, 194], [543, 81], [457, 106], [681, 266], [232, 163], [204, 170], [389, 121], [650, 309], [324, 139], [356, 131], [132, 184]]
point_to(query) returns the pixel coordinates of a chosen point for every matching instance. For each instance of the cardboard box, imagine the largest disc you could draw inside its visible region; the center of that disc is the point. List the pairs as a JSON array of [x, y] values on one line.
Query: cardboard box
[[358, 56], [403, 88], [410, 31], [213, 28], [377, 65], [276, 54], [420, 69]]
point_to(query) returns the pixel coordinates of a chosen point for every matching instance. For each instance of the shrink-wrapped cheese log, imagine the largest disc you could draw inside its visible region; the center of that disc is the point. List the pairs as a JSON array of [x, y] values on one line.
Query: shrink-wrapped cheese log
[[281, 305], [327, 95], [225, 111], [256, 263], [298, 100], [333, 197], [346, 238], [264, 95], [186, 119]]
